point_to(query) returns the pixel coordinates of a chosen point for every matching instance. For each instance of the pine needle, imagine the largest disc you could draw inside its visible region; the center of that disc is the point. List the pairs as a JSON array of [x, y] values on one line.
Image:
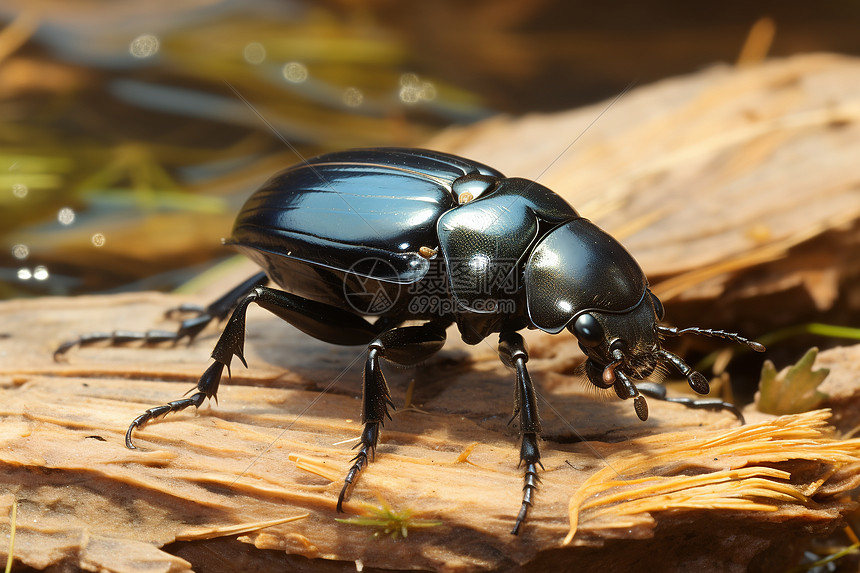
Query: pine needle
[[715, 470]]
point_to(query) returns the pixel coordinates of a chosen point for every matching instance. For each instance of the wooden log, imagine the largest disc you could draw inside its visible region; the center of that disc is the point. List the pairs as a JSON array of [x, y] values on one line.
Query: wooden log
[[729, 186], [686, 488]]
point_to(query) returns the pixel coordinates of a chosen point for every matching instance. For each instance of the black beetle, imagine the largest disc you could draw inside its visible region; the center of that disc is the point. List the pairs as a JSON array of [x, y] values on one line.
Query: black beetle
[[415, 235]]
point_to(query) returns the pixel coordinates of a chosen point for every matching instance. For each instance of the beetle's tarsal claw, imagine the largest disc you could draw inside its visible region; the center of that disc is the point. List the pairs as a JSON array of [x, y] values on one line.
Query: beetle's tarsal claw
[[698, 382], [531, 481]]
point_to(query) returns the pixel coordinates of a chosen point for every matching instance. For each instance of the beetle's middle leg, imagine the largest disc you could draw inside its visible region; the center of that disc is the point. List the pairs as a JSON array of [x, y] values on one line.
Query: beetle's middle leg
[[324, 322], [407, 345], [512, 351]]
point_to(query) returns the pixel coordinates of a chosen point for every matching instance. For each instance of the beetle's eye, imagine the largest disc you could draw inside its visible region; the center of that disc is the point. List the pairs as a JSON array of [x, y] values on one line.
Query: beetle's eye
[[658, 307], [587, 330]]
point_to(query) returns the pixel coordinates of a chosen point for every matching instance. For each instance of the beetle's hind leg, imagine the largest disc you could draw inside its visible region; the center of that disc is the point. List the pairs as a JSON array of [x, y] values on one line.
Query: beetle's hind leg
[[189, 327], [512, 350], [324, 322], [406, 345]]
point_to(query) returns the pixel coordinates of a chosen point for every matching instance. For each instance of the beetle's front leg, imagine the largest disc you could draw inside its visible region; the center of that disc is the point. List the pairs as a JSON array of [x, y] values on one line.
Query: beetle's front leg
[[405, 345], [512, 350]]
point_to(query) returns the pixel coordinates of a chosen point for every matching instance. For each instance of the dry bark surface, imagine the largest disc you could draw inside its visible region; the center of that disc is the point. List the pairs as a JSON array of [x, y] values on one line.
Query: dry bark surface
[[715, 182]]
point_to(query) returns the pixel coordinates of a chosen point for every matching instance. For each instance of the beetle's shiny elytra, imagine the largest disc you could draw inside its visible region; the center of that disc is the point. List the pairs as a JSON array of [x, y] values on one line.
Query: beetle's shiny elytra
[[432, 239]]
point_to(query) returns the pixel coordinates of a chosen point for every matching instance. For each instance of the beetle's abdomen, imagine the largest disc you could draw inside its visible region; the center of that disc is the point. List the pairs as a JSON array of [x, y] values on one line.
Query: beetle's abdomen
[[349, 210]]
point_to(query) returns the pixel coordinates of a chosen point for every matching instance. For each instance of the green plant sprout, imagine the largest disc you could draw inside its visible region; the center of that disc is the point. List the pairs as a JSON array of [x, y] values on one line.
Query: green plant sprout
[[388, 521]]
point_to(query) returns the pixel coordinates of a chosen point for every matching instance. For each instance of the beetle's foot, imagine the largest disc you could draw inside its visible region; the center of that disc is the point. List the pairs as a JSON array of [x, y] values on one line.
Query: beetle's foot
[[366, 452], [207, 387], [658, 392], [529, 454]]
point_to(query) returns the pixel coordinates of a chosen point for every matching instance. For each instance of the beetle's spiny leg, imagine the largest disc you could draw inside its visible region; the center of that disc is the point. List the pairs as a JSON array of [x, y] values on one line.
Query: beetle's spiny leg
[[403, 345], [376, 398], [366, 453], [183, 309], [188, 328], [529, 488], [695, 379], [733, 336], [512, 351], [207, 387]]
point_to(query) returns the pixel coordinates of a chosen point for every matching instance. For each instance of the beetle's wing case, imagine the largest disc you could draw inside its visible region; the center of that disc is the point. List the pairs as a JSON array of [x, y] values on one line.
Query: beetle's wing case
[[347, 211], [485, 241], [578, 267]]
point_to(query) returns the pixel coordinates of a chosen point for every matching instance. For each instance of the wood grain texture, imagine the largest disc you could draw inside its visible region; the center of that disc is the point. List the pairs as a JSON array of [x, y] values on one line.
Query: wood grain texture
[[718, 176], [710, 180]]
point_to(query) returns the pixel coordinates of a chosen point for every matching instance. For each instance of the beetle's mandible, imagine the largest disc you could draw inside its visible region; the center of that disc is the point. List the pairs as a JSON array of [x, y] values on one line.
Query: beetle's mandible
[[431, 239]]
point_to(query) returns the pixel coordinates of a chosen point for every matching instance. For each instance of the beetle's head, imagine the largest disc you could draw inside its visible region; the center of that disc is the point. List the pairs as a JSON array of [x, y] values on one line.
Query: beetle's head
[[580, 278], [626, 347], [620, 342]]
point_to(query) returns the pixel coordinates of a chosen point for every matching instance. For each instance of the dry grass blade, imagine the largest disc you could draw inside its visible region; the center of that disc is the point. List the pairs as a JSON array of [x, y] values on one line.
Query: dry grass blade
[[746, 482], [13, 519], [194, 533], [316, 467]]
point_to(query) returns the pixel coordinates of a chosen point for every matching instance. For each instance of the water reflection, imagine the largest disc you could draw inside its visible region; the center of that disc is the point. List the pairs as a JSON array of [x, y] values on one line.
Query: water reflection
[[39, 273], [255, 53], [413, 90], [66, 216], [295, 72], [144, 46], [20, 252], [353, 97], [20, 190]]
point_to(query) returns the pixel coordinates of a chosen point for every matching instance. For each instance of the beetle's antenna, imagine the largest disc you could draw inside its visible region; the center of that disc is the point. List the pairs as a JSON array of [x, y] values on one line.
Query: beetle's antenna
[[734, 337]]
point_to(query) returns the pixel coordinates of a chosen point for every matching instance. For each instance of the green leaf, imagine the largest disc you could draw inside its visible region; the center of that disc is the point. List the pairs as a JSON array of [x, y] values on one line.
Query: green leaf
[[793, 389]]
